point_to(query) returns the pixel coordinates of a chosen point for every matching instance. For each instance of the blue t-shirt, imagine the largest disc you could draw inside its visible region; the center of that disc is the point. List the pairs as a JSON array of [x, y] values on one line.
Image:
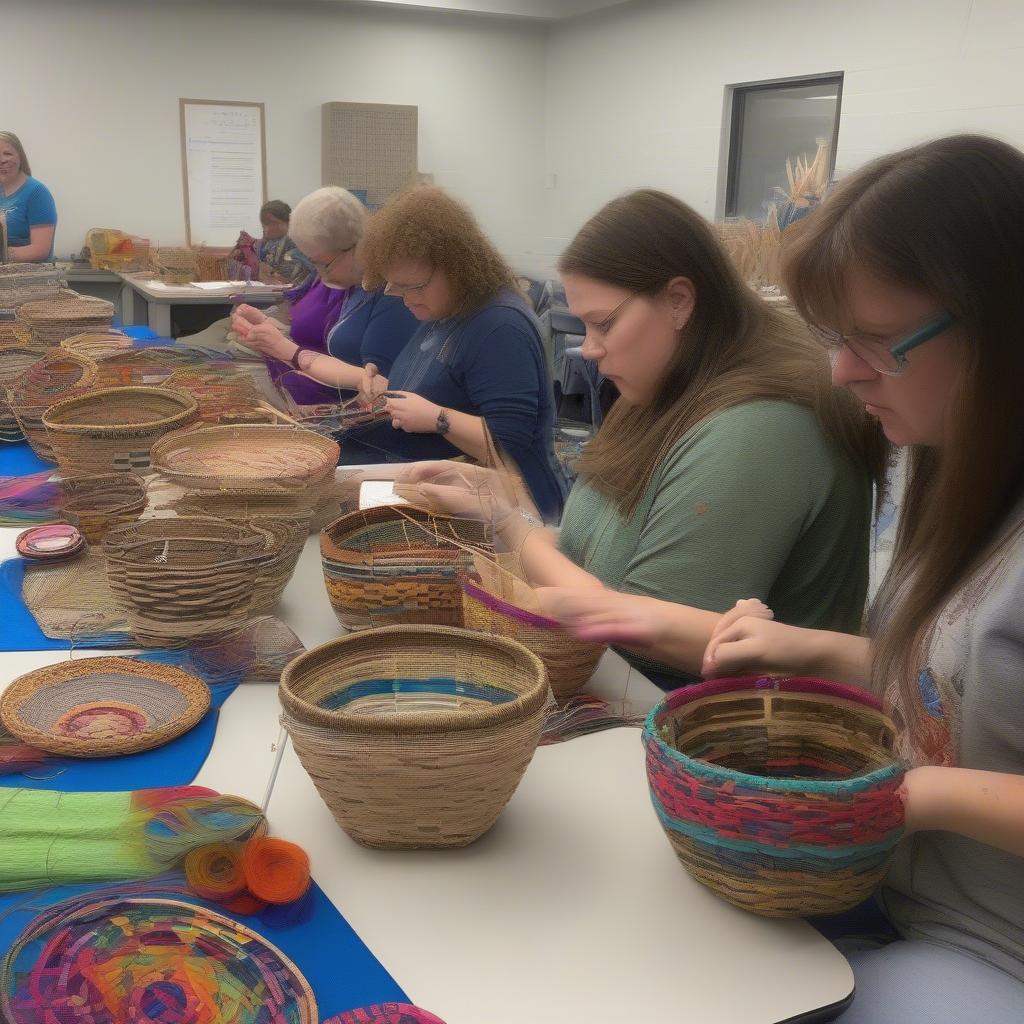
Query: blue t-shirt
[[489, 364], [371, 328], [30, 206]]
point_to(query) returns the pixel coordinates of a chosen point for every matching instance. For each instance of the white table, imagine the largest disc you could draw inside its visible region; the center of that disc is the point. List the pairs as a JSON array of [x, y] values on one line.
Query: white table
[[572, 909], [159, 298]]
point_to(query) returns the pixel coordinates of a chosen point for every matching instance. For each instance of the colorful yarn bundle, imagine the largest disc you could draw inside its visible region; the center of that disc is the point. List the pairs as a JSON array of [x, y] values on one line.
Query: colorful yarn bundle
[[111, 960], [276, 871], [781, 795], [52, 838]]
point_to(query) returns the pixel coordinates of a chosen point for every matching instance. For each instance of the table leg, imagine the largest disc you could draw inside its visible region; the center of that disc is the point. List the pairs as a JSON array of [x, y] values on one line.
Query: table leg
[[128, 305], [160, 318]]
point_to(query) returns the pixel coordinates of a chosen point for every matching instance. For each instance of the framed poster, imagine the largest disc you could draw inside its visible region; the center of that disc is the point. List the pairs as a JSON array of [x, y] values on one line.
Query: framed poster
[[224, 168]]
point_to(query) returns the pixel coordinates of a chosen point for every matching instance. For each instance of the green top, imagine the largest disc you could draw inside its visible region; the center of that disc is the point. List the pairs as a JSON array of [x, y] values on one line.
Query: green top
[[753, 502]]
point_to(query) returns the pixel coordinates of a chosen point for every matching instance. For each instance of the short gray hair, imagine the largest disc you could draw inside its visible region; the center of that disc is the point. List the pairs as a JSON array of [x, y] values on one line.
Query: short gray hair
[[329, 218]]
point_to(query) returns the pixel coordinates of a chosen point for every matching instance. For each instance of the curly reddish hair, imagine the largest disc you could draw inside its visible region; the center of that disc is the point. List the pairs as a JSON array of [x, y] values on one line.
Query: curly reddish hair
[[425, 223]]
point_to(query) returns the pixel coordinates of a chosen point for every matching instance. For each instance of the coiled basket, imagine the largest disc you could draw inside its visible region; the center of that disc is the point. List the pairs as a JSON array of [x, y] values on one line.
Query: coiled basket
[[415, 736], [780, 794]]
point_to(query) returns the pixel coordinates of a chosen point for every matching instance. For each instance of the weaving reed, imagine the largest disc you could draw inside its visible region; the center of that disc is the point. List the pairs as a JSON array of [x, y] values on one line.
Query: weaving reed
[[386, 565], [96, 503], [415, 736], [498, 603], [53, 321], [781, 795], [98, 707], [180, 580], [57, 375], [113, 429]]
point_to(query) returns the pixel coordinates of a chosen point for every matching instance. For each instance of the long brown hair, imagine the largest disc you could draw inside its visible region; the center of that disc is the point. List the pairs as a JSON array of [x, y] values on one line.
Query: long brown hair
[[733, 349], [15, 143], [426, 223], [945, 219]]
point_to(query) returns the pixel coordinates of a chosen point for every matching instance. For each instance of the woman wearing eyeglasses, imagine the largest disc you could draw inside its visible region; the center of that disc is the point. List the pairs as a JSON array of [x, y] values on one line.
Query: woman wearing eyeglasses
[[474, 376], [728, 466], [370, 327]]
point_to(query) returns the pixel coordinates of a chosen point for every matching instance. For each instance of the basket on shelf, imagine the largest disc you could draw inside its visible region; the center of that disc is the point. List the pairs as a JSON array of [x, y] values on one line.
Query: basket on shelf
[[415, 736], [183, 579], [98, 344], [98, 707], [51, 322], [391, 565], [97, 503], [57, 375], [113, 429], [176, 265], [781, 795], [496, 602]]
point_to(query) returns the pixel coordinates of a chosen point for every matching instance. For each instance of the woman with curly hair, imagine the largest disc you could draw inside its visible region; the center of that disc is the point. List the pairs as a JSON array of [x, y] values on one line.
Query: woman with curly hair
[[475, 372]]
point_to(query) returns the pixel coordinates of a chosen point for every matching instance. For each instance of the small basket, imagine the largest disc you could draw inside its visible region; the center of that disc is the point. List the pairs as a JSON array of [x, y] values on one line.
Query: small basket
[[183, 579], [51, 322], [113, 429], [55, 376], [98, 344], [176, 265], [499, 604], [211, 263], [98, 707], [415, 736], [97, 503], [781, 795], [385, 566]]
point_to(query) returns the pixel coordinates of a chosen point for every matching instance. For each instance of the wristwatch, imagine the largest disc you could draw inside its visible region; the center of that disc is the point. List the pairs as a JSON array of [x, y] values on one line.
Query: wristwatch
[[443, 423], [295, 357]]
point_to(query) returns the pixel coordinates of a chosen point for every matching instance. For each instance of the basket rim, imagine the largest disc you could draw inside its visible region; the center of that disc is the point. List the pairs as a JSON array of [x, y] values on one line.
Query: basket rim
[[413, 723], [360, 518], [187, 408], [758, 685], [29, 683]]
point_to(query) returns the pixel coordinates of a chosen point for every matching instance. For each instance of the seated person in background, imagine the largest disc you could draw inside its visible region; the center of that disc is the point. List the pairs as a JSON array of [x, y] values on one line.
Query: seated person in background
[[28, 205], [723, 470], [369, 328], [475, 371], [279, 258]]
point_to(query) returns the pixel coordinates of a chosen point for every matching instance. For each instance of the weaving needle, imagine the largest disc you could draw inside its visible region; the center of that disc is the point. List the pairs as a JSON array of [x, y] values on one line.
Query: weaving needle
[[282, 741]]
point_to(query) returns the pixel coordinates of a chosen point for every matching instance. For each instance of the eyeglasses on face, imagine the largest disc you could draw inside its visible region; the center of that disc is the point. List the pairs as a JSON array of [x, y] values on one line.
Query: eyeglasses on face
[[401, 290]]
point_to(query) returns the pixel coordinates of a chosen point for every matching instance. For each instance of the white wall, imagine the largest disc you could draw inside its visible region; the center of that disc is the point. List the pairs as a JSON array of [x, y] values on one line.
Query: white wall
[[636, 95], [99, 83]]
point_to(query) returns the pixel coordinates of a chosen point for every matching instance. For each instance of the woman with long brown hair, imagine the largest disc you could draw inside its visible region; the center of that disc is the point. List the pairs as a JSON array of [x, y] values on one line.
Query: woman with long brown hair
[[913, 268], [727, 467]]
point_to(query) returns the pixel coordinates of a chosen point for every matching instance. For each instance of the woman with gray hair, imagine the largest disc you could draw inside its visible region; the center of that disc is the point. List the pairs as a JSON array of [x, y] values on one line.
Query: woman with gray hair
[[371, 328]]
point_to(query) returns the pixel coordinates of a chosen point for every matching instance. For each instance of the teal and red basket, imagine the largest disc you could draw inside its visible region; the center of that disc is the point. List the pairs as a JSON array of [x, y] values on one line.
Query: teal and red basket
[[780, 794]]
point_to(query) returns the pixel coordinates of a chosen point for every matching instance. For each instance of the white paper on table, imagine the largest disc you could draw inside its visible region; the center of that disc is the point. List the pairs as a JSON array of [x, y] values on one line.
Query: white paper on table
[[374, 493], [212, 286]]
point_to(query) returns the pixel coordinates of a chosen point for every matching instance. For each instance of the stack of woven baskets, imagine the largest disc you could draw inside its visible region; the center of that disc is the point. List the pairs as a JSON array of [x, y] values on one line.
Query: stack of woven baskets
[[53, 321], [15, 362], [27, 282]]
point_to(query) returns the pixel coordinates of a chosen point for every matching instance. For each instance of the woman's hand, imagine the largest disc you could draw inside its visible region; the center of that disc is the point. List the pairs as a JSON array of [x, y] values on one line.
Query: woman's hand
[[464, 502], [372, 384], [249, 313], [264, 336], [411, 412], [747, 640], [445, 471], [605, 616]]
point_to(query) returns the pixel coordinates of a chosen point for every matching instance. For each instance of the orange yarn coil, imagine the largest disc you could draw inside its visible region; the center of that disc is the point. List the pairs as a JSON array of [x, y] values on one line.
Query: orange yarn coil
[[275, 870], [215, 872]]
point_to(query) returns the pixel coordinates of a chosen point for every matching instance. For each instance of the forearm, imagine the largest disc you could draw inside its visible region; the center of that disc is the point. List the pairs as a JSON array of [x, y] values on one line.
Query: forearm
[[31, 253], [328, 370], [543, 564], [840, 656], [985, 806], [467, 433]]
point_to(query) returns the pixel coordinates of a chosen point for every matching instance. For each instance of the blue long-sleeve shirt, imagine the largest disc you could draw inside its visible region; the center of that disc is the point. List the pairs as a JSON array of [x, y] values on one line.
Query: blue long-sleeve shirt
[[489, 364], [371, 328]]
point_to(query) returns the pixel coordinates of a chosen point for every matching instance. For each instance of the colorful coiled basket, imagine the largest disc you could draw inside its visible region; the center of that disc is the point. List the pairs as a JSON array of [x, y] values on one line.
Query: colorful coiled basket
[[780, 794]]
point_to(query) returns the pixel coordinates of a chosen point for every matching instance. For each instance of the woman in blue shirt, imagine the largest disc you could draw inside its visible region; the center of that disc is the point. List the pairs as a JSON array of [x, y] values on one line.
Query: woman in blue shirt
[[371, 328], [474, 374], [31, 213]]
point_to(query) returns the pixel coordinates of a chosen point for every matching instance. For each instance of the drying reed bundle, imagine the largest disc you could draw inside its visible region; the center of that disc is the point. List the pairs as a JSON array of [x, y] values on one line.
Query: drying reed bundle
[[176, 265], [113, 429], [98, 344], [415, 736], [755, 250], [57, 375], [180, 580], [97, 503], [781, 795], [389, 565], [498, 603], [15, 361], [97, 707], [53, 321]]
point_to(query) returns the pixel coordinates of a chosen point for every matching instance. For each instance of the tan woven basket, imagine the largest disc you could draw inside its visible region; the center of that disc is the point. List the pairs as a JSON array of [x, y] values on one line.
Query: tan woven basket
[[15, 362], [113, 429], [98, 344], [54, 377], [182, 579], [142, 367], [96, 503], [415, 736], [385, 566], [96, 707], [51, 322], [176, 265], [13, 333], [211, 263]]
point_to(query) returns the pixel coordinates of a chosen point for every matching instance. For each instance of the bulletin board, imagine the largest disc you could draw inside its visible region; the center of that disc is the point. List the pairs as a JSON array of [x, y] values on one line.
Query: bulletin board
[[224, 169]]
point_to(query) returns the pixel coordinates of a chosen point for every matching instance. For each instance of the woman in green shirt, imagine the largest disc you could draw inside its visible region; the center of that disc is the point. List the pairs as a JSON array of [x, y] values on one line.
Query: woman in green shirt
[[728, 468]]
